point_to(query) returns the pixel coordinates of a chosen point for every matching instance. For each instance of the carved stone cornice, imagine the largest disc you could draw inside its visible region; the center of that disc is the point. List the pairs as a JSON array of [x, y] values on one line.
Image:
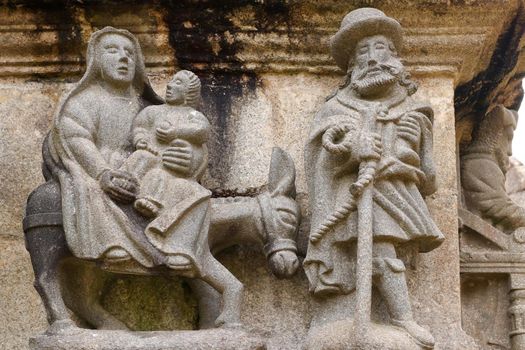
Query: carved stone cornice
[[492, 262], [273, 36]]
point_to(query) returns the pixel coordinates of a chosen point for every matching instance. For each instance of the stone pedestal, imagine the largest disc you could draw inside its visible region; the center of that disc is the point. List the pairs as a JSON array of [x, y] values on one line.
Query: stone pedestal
[[340, 335], [84, 339]]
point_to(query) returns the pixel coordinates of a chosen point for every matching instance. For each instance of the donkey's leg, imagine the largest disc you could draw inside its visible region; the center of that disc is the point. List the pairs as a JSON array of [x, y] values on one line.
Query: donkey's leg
[[217, 276], [84, 296], [47, 248], [209, 301]]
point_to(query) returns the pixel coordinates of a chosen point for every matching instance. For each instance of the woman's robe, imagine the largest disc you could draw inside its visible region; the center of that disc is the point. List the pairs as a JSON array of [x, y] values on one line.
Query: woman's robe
[[93, 134]]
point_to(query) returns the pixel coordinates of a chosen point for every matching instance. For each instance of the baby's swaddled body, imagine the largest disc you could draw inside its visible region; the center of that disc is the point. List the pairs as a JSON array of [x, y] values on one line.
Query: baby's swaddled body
[[156, 129]]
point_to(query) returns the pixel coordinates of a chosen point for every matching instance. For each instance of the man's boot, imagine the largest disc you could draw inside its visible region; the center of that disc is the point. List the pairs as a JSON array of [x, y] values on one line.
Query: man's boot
[[393, 288]]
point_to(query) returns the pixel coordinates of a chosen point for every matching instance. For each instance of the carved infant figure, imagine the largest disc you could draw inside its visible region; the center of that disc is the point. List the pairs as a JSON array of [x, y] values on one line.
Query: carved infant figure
[[113, 142], [172, 192], [156, 128]]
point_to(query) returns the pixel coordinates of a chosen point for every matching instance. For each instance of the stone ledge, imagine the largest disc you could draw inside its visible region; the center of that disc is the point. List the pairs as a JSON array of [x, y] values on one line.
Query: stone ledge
[[87, 339], [340, 335], [492, 262]]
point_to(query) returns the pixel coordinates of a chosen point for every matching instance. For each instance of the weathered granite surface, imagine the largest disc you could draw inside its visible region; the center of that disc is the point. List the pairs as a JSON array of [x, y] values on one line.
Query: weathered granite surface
[[338, 336], [515, 181], [366, 195], [268, 71], [110, 340], [21, 309]]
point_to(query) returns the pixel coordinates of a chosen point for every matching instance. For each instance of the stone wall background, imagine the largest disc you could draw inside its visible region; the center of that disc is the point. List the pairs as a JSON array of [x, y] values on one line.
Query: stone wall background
[[265, 69]]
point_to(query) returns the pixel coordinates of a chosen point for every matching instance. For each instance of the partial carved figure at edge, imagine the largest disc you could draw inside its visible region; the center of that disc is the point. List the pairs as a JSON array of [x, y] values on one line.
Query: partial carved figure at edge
[[484, 165]]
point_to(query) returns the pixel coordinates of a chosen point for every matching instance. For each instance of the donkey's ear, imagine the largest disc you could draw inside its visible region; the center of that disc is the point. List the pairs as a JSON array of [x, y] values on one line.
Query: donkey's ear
[[281, 179]]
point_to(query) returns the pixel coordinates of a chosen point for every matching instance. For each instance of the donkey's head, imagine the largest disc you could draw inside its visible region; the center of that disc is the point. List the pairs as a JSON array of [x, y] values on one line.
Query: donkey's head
[[281, 215]]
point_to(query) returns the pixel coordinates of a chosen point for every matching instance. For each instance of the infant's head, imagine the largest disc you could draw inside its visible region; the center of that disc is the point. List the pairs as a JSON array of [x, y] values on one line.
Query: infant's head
[[184, 89]]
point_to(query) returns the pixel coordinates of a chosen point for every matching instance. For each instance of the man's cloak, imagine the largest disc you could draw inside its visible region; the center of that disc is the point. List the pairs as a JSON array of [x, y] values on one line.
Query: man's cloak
[[404, 174]]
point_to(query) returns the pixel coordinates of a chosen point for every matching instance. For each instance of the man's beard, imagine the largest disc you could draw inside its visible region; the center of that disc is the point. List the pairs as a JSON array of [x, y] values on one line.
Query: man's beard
[[365, 85]]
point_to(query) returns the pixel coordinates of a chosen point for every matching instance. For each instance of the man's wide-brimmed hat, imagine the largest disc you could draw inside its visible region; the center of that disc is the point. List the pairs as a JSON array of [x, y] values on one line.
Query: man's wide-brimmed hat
[[359, 24]]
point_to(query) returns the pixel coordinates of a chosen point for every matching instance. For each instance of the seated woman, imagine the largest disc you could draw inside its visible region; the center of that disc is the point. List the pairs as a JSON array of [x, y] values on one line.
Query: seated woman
[[89, 144]]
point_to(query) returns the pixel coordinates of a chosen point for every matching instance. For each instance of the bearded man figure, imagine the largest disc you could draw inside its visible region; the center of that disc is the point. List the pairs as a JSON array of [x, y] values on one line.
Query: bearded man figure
[[370, 132]]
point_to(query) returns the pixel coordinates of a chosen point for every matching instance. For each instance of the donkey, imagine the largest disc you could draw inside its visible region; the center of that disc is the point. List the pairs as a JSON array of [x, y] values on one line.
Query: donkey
[[269, 220]]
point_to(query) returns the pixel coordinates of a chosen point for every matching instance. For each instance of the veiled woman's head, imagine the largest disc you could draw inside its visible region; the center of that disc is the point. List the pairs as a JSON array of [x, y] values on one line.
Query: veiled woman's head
[[116, 57], [113, 57]]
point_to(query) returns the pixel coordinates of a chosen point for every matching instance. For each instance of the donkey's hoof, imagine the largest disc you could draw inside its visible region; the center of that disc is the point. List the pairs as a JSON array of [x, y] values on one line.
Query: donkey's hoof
[[113, 324], [230, 325], [65, 326], [228, 321]]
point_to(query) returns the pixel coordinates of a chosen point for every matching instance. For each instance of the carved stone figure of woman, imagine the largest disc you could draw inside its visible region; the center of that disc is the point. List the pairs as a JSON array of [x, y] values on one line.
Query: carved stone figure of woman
[[89, 142], [90, 139]]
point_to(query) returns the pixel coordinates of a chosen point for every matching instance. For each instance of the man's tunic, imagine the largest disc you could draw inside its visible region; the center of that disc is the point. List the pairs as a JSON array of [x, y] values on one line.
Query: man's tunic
[[404, 173]]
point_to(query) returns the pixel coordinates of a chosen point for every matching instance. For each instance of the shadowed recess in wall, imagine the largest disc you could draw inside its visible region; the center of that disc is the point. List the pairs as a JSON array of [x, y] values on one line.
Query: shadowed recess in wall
[[476, 95]]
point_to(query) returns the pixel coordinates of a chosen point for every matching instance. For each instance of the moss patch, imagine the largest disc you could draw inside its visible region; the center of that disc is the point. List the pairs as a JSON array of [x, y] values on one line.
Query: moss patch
[[151, 303]]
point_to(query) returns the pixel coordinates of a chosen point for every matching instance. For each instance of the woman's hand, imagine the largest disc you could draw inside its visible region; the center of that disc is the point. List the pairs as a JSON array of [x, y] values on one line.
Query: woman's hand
[[119, 185], [178, 157]]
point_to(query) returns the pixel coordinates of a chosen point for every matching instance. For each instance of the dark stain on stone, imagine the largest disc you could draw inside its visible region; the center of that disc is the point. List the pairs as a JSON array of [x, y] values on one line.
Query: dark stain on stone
[[516, 93], [237, 192], [204, 39], [142, 302], [58, 16], [220, 90], [68, 32], [473, 96]]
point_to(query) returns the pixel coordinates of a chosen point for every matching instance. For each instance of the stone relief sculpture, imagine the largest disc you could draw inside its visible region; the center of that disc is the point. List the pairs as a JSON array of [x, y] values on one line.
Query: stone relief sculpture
[[157, 128], [123, 194], [515, 181], [492, 227], [484, 164], [369, 165], [171, 193]]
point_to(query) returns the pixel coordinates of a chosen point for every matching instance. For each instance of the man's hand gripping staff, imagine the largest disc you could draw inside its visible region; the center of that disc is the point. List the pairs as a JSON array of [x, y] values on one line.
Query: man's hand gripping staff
[[367, 148]]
